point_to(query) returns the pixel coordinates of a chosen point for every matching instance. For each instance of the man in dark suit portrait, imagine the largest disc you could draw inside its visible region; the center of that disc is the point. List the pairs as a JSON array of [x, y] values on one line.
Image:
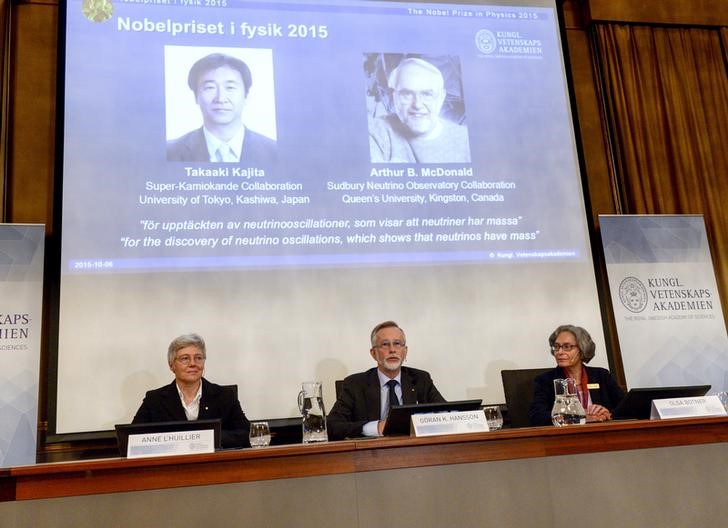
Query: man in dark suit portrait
[[221, 84], [363, 403], [192, 397]]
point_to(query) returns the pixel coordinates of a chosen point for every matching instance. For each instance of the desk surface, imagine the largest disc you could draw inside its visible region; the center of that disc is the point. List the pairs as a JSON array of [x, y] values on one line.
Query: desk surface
[[66, 479]]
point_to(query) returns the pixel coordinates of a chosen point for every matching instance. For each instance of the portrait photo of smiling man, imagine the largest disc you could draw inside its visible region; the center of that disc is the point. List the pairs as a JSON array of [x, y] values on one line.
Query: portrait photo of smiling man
[[221, 86], [417, 117]]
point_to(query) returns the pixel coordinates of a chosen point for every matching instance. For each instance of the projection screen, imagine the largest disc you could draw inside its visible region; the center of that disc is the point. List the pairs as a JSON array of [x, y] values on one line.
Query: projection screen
[[401, 160]]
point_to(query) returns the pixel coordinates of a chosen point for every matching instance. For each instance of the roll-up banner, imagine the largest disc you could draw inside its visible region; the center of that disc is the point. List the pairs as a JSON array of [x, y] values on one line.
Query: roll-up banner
[[665, 298], [21, 300]]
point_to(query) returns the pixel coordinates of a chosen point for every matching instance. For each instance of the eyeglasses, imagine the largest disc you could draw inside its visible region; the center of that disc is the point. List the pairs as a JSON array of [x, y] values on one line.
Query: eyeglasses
[[566, 347], [186, 360], [426, 96], [397, 345]]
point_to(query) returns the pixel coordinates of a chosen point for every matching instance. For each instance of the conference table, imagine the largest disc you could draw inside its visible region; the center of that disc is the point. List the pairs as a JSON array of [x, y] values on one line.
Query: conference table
[[631, 473]]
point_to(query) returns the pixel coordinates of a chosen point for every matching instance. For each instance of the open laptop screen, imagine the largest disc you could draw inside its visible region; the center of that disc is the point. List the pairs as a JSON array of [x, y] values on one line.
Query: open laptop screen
[[398, 421], [637, 403]]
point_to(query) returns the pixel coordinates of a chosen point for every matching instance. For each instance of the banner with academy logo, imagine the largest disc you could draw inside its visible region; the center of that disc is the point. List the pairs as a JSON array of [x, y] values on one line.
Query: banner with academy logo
[[21, 300], [665, 299]]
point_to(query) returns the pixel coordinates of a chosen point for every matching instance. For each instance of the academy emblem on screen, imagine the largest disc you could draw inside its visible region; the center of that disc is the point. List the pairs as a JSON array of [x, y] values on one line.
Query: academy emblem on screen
[[633, 294], [97, 10], [485, 41]]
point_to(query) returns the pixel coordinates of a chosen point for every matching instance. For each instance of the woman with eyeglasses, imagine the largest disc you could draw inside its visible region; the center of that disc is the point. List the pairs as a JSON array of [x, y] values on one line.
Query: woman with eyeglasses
[[192, 397], [572, 347]]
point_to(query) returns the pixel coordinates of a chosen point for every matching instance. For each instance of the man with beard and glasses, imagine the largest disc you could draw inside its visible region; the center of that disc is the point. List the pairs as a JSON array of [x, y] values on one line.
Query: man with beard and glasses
[[416, 132], [362, 406]]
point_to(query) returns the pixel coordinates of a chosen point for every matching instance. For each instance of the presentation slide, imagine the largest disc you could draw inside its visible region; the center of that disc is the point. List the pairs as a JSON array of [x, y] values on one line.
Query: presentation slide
[[281, 176]]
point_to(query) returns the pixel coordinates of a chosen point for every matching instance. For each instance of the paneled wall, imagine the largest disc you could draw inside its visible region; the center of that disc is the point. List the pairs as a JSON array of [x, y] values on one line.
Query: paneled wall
[[31, 112]]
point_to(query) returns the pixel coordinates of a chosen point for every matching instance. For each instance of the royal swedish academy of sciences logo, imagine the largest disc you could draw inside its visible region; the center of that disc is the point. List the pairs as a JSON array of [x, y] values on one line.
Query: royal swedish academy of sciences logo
[[633, 294], [485, 41], [97, 10]]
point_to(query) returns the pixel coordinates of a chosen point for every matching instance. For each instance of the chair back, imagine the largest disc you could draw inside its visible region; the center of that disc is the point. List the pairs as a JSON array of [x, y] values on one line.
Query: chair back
[[232, 388], [518, 390], [339, 385]]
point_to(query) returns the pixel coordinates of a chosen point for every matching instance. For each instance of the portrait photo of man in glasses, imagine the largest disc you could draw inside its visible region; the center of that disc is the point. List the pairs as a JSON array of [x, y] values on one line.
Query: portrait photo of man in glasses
[[418, 116]]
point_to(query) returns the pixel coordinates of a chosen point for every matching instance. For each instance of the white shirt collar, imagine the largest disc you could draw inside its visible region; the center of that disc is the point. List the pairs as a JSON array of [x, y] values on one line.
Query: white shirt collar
[[384, 379], [192, 411], [235, 143]]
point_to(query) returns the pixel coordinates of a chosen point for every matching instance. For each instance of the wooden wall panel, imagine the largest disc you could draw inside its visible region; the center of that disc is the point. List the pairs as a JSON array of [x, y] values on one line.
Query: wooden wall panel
[[591, 126], [683, 12], [32, 113], [4, 98]]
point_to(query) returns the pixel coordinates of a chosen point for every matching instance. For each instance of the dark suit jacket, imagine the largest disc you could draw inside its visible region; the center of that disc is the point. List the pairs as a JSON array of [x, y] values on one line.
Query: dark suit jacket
[[257, 149], [163, 405], [609, 394], [359, 401]]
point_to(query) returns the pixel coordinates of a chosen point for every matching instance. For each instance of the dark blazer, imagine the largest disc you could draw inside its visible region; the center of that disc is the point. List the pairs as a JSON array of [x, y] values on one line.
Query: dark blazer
[[163, 405], [359, 401], [257, 149], [609, 393]]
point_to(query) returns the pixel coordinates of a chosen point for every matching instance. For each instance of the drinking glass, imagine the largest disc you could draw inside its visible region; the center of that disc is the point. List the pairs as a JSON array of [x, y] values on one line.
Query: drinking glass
[[494, 417], [259, 434]]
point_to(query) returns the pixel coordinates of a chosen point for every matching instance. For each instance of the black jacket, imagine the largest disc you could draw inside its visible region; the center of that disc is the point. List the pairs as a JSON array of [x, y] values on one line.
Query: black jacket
[[609, 394], [164, 405], [359, 401]]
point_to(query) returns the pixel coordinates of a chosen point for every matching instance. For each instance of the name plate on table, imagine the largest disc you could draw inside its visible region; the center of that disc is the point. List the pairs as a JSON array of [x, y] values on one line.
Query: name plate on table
[[687, 408], [171, 443], [442, 423]]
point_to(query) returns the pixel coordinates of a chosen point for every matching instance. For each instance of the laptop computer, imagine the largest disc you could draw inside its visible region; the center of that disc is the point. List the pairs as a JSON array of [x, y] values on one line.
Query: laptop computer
[[398, 420], [637, 403], [124, 430]]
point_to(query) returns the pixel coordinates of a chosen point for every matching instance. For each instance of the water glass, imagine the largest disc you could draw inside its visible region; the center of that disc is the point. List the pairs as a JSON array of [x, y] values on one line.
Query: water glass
[[494, 417], [259, 434]]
